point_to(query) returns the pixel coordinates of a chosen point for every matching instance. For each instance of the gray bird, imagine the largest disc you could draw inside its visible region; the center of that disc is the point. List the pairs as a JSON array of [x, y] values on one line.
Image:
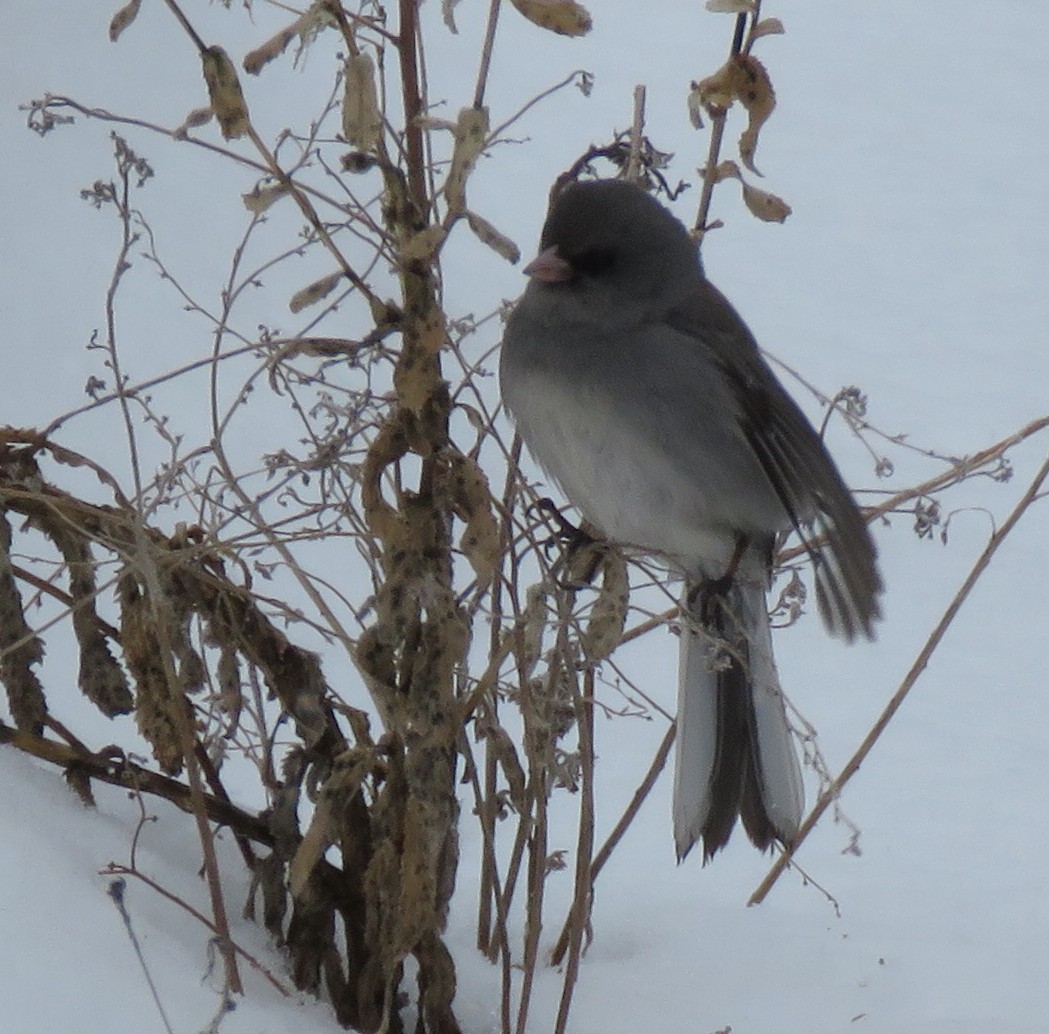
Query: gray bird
[[642, 394]]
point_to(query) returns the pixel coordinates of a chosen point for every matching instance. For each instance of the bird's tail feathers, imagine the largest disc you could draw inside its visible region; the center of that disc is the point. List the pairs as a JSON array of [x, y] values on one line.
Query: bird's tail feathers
[[735, 756]]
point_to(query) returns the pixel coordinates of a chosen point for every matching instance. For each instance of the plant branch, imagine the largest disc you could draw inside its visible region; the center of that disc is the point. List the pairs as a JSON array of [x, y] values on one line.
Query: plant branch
[[833, 791]]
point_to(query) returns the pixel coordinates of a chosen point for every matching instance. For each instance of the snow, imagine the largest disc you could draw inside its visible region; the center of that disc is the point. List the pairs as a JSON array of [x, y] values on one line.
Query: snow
[[909, 140]]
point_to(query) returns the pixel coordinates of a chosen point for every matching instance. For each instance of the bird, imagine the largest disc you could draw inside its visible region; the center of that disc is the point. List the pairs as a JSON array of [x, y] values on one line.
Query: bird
[[642, 394]]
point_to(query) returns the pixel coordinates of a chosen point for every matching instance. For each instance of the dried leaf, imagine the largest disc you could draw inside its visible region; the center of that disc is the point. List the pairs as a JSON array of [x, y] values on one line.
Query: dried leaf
[[498, 242], [533, 625], [227, 100], [261, 198], [727, 169], [717, 91], [263, 54], [767, 27], [317, 839], [767, 207], [422, 246], [306, 27], [565, 17], [123, 18], [313, 293], [197, 117], [155, 704], [608, 615], [448, 14], [361, 118], [730, 6], [695, 105], [471, 131], [757, 96], [472, 500], [20, 649], [506, 754]]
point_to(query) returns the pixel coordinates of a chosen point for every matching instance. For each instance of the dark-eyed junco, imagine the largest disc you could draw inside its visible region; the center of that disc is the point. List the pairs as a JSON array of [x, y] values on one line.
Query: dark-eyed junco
[[643, 395]]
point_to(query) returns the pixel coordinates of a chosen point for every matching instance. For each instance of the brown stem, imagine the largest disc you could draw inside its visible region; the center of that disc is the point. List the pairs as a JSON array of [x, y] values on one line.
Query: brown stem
[[717, 132], [852, 766], [486, 53], [413, 105], [116, 770], [579, 916], [602, 856]]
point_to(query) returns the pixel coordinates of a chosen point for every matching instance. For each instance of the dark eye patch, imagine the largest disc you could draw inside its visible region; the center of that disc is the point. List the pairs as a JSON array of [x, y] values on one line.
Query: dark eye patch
[[594, 261]]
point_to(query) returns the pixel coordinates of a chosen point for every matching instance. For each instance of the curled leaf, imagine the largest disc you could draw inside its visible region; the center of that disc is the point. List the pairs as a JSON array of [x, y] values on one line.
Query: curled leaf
[[261, 198], [502, 746], [498, 242], [227, 100], [306, 27], [263, 54], [471, 130], [565, 17], [313, 293], [448, 14], [609, 613], [695, 106], [197, 117], [123, 18], [361, 118], [472, 502], [767, 207], [758, 97], [422, 246], [767, 27]]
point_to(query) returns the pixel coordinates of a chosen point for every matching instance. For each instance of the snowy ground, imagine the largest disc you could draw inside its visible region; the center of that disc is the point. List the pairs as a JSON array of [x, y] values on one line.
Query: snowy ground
[[909, 140]]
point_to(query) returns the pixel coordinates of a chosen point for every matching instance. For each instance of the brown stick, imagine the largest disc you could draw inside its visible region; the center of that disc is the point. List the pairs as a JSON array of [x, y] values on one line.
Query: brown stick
[[852, 766]]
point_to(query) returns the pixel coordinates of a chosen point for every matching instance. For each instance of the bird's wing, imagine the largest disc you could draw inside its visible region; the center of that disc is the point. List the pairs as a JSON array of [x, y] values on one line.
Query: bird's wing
[[795, 461]]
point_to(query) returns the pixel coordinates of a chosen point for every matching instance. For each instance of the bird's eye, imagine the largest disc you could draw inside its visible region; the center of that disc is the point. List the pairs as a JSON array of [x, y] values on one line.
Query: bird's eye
[[594, 261]]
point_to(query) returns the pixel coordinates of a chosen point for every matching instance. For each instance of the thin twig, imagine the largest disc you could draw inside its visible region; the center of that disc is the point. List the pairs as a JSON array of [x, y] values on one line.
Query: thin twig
[[582, 900], [717, 132], [833, 791], [486, 53], [628, 816]]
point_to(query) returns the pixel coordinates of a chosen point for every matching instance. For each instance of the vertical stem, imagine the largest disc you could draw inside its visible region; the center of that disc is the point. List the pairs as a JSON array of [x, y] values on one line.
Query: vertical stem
[[717, 131], [486, 53], [583, 897], [413, 106], [637, 131]]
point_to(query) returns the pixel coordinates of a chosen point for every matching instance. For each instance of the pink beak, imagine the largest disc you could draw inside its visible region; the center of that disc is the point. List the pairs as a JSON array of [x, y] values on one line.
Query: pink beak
[[549, 267]]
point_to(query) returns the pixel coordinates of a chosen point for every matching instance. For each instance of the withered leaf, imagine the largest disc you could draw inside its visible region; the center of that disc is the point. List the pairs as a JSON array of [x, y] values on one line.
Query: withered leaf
[[197, 117], [361, 118], [565, 17], [306, 27], [498, 242], [609, 613], [767, 207], [422, 246], [757, 96], [472, 499], [259, 199], [767, 27], [471, 130], [506, 754], [257, 59], [448, 14], [695, 106], [313, 293], [227, 100], [123, 18]]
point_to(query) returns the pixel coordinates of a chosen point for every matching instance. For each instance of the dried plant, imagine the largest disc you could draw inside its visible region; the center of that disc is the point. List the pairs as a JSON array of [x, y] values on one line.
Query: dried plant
[[466, 639]]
